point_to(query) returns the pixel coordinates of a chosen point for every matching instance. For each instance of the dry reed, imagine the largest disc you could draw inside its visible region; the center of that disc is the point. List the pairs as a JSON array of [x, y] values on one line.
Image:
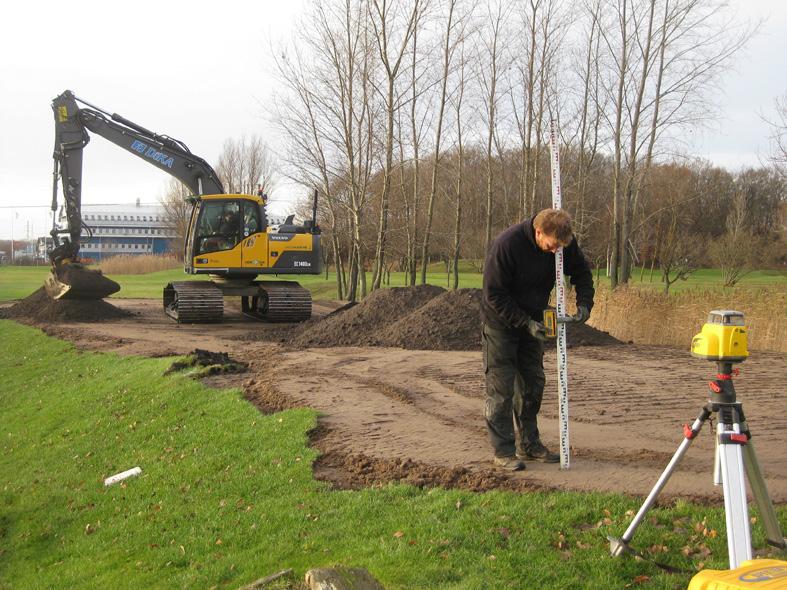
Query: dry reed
[[647, 317], [137, 265]]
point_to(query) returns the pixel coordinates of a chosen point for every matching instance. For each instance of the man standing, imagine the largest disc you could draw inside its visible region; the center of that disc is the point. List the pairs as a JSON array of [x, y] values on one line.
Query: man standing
[[519, 275]]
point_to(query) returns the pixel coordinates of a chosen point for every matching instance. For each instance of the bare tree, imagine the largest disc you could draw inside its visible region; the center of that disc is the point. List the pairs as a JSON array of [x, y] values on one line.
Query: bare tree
[[333, 93], [176, 212], [668, 56], [393, 37], [734, 251], [457, 101], [779, 136], [246, 165], [589, 117], [491, 49], [448, 47]]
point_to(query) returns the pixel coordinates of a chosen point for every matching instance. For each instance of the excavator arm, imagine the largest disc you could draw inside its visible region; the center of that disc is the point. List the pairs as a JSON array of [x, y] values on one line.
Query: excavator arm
[[73, 126]]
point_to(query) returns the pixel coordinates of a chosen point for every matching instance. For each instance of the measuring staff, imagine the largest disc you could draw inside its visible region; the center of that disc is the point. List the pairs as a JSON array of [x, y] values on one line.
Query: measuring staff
[[519, 275]]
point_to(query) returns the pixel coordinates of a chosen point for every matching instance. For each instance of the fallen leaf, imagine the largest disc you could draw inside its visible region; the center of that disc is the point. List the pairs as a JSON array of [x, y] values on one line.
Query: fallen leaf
[[398, 534]]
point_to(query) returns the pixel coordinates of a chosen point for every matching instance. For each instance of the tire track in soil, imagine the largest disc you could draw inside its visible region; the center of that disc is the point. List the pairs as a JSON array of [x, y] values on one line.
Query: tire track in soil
[[624, 429]]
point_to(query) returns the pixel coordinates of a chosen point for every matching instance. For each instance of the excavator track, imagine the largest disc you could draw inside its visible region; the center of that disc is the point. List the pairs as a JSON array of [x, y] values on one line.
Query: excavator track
[[194, 302], [271, 301], [282, 301]]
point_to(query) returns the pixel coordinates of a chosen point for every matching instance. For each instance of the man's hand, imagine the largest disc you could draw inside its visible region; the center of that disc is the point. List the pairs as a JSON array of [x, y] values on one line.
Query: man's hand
[[582, 315], [537, 330]]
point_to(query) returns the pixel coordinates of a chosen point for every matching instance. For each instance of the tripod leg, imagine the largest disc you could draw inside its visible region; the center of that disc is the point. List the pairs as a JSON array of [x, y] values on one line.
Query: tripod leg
[[760, 492], [736, 508], [619, 546]]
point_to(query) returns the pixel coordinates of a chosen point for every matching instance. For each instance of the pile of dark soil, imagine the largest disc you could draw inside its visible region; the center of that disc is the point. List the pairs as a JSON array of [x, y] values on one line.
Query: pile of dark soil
[[418, 318], [39, 307], [449, 321], [368, 322]]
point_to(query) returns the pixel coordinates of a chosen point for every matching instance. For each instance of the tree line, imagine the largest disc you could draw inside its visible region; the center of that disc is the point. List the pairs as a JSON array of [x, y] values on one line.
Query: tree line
[[423, 124]]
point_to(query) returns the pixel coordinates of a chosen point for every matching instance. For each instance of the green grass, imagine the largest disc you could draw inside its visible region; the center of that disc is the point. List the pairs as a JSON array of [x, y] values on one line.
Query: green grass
[[227, 496], [17, 282], [703, 278]]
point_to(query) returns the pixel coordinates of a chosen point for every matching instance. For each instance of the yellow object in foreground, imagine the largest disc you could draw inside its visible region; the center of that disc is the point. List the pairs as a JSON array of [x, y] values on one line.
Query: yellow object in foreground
[[759, 574], [723, 337]]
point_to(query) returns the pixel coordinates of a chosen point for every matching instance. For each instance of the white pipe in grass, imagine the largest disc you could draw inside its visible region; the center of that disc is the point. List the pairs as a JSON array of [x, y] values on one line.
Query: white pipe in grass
[[118, 477]]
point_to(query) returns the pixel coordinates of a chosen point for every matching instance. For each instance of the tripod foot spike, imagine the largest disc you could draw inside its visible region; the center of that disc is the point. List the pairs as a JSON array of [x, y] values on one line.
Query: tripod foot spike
[[617, 546]]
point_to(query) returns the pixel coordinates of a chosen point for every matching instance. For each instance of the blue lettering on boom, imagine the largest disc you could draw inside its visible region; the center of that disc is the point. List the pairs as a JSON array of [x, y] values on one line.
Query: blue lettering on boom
[[160, 157], [152, 153]]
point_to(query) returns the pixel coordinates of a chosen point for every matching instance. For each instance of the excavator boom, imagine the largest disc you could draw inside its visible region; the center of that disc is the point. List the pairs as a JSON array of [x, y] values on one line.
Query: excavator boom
[[69, 278]]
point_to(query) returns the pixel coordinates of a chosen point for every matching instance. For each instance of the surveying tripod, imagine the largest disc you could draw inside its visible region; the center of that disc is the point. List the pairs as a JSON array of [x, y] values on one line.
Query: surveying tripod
[[734, 451]]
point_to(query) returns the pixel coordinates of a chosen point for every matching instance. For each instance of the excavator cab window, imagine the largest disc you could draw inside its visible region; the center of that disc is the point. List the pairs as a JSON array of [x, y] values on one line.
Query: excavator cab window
[[251, 219], [219, 226]]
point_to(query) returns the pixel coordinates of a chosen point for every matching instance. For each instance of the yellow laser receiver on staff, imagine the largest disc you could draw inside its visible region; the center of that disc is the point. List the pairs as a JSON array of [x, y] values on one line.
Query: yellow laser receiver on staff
[[551, 320]]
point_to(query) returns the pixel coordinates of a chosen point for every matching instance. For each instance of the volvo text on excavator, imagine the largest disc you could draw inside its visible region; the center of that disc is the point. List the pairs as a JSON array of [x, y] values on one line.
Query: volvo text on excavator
[[228, 238]]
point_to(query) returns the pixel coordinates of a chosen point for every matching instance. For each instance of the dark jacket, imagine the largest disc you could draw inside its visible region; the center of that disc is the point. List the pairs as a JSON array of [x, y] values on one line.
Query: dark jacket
[[519, 277]]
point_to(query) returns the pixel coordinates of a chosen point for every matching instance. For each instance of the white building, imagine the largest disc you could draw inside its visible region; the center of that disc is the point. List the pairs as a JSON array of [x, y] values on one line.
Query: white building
[[113, 230]]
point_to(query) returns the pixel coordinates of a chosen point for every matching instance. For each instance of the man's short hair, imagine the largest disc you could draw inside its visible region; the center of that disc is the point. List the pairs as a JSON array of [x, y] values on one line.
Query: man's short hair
[[555, 223]]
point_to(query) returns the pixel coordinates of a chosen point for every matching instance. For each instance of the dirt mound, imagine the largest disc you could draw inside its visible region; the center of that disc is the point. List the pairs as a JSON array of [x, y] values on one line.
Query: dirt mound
[[39, 307], [367, 323], [584, 335], [415, 318], [449, 321]]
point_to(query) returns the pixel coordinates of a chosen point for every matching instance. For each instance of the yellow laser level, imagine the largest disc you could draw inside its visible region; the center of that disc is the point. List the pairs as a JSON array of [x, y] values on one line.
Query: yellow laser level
[[762, 574], [723, 337]]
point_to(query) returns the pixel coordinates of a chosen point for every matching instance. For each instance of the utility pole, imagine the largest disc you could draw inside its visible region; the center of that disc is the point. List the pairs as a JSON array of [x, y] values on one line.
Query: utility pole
[[14, 216]]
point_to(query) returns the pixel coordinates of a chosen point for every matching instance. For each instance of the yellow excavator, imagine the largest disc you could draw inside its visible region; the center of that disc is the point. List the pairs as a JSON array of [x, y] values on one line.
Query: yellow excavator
[[229, 239]]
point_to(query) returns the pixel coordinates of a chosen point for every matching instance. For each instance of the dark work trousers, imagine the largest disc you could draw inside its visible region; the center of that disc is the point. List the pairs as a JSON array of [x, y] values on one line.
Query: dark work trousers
[[514, 373]]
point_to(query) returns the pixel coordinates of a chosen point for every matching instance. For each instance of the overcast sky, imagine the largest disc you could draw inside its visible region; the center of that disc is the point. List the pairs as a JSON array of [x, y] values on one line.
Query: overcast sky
[[198, 71]]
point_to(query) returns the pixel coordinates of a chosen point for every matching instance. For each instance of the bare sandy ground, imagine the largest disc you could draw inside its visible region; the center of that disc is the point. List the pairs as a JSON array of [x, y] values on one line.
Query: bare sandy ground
[[389, 413]]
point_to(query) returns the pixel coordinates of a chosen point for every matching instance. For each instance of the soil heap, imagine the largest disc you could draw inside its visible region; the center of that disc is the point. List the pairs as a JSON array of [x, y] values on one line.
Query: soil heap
[[368, 322], [39, 307], [449, 321], [418, 318]]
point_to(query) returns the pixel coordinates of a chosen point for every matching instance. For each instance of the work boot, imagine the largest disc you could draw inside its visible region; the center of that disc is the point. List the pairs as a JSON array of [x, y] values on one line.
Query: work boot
[[538, 452], [510, 463]]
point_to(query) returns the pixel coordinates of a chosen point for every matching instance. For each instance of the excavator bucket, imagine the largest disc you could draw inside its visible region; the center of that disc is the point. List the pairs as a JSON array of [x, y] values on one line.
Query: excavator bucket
[[74, 281]]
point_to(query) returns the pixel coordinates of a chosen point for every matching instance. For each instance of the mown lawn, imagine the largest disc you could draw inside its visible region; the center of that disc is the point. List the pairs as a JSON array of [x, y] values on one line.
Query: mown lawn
[[18, 282], [227, 496]]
